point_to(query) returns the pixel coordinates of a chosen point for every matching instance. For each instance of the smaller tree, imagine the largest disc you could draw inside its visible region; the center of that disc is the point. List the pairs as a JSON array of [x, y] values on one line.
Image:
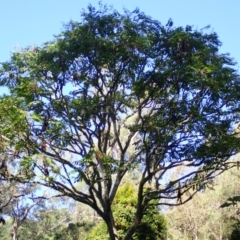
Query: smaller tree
[[48, 219], [152, 226], [21, 207]]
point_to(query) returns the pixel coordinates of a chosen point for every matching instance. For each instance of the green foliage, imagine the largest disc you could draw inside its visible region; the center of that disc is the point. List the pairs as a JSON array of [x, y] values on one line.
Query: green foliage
[[98, 233], [204, 217], [235, 235], [152, 226], [5, 231], [114, 93], [74, 231], [29, 231]]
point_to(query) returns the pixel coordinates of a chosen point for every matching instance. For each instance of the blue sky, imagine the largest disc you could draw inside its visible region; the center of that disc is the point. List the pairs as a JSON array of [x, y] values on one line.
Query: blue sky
[[32, 22]]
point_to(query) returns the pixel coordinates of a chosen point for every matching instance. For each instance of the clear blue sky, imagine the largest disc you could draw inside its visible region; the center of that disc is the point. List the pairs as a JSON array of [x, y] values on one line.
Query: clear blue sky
[[30, 22]]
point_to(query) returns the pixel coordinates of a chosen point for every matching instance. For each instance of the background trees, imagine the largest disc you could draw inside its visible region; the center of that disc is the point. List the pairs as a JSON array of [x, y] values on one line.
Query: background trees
[[203, 218], [115, 93], [29, 217]]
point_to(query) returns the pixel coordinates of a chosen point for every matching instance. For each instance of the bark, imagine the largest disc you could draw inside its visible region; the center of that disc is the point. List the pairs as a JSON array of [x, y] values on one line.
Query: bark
[[15, 230], [139, 211], [113, 234], [112, 231]]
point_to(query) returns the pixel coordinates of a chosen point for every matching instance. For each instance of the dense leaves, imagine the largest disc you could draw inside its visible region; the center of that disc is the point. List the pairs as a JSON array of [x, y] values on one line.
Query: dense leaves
[[152, 227], [116, 92]]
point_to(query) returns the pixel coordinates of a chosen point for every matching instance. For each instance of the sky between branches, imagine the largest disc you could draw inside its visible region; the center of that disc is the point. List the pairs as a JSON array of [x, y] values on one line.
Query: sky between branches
[[33, 22]]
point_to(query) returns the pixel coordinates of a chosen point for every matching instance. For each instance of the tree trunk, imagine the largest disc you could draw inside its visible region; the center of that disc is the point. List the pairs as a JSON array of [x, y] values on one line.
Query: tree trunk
[[113, 234], [132, 230], [15, 231], [139, 212]]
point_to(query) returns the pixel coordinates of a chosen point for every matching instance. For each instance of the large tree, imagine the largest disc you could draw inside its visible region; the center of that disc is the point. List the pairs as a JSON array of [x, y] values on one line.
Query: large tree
[[116, 93]]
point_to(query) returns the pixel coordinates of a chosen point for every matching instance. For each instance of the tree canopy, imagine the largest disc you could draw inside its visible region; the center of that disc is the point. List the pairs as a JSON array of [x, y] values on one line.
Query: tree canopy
[[115, 93]]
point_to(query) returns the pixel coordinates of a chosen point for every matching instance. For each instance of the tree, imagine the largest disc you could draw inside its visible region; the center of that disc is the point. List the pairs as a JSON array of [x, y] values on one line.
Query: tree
[[202, 218], [16, 203], [117, 92], [152, 226], [75, 231], [20, 204], [47, 219]]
